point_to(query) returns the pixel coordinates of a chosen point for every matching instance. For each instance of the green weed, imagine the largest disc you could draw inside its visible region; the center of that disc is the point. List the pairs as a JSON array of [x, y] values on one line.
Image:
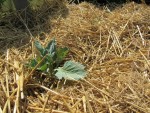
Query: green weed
[[49, 61]]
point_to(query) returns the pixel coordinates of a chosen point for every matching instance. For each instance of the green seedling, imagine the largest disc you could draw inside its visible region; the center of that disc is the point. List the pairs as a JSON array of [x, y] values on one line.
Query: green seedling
[[51, 58]]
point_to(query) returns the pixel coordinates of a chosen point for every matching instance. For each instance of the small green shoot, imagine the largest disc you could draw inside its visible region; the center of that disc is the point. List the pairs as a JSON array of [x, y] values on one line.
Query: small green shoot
[[53, 57]]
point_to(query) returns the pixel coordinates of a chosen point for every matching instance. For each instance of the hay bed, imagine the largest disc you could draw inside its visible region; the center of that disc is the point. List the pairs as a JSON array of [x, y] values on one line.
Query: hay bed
[[114, 46]]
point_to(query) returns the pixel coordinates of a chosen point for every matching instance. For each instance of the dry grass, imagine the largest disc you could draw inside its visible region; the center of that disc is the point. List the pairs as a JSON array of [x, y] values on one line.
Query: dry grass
[[114, 46]]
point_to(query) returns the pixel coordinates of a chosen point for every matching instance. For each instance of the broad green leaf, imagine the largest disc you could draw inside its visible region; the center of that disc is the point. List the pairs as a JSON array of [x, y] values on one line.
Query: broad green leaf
[[38, 58], [33, 63], [71, 70], [49, 59], [43, 67], [61, 54], [51, 46], [51, 49], [39, 48]]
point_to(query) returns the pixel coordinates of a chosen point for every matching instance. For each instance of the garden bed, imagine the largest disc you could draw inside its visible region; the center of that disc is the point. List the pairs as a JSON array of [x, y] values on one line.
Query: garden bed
[[113, 44]]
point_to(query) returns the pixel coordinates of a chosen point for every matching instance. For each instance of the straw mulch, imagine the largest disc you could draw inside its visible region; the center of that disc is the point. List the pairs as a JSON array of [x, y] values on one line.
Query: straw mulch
[[114, 47]]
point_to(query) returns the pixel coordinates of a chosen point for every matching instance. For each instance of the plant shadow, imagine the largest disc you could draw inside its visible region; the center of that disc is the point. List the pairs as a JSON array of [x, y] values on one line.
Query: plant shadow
[[16, 29], [111, 4]]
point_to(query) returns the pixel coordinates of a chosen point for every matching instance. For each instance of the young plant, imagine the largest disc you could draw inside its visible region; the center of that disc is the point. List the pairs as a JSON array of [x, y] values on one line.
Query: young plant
[[50, 59]]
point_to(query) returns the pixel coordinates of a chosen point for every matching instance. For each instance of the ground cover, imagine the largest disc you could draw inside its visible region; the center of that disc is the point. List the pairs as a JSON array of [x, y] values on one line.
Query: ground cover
[[111, 41]]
